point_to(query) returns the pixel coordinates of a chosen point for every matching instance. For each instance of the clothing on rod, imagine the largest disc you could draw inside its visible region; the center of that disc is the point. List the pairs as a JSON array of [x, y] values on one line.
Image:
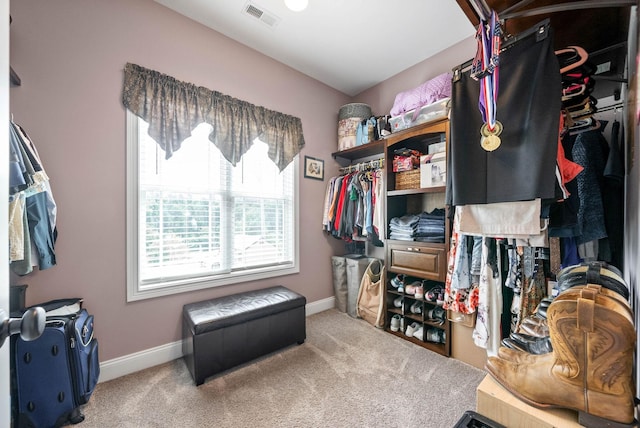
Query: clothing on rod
[[32, 208], [352, 206]]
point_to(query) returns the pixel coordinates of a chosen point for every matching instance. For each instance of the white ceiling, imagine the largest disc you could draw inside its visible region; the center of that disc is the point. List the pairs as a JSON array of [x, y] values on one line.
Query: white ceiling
[[350, 45]]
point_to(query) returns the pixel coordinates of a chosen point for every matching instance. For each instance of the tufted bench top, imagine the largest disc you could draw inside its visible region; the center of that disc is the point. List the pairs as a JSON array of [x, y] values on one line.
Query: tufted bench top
[[221, 312]]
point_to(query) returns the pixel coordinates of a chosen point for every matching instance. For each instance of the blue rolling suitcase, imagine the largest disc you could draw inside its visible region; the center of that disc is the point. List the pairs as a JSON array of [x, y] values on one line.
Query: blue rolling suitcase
[[56, 373]]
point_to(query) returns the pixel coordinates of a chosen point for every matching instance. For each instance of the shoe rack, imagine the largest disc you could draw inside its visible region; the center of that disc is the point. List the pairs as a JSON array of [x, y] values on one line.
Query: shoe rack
[[416, 262]]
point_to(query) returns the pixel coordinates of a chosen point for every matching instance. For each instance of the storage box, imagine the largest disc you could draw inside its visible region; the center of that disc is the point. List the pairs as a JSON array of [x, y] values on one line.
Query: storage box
[[347, 131], [437, 147], [467, 320], [438, 110], [398, 123], [433, 170], [405, 163]]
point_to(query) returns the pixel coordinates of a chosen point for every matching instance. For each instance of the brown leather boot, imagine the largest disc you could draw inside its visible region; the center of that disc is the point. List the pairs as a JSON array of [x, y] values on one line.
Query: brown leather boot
[[590, 368]]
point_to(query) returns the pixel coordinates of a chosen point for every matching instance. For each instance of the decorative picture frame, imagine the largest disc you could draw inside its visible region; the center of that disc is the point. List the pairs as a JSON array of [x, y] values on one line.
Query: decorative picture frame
[[313, 168]]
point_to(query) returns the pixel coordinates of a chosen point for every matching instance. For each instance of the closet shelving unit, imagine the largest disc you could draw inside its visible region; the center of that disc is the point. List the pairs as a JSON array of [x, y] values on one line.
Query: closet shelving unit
[[417, 260]]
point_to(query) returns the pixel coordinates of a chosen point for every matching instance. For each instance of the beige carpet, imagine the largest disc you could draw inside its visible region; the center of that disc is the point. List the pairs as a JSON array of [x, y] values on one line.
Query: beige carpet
[[346, 374]]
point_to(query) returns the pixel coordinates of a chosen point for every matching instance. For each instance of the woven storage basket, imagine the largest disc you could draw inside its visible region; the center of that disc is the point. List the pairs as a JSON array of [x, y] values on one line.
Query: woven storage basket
[[408, 179]]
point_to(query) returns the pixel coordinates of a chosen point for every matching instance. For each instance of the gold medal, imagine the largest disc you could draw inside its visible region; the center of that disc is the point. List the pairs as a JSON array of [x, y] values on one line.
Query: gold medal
[[490, 142], [491, 139]]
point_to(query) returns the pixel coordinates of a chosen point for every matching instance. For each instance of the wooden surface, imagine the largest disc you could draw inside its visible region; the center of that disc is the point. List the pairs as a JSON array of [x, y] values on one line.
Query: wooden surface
[[498, 404], [463, 348]]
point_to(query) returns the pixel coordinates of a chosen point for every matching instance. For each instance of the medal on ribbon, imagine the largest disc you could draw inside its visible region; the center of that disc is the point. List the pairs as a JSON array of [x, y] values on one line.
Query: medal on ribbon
[[485, 69]]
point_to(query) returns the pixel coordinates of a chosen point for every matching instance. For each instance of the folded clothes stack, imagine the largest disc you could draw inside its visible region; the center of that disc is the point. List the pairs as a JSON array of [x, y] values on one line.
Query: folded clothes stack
[[403, 228], [425, 227], [431, 226]]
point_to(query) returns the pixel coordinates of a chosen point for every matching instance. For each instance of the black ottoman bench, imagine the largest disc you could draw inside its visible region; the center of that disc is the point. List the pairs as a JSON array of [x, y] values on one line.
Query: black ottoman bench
[[224, 332]]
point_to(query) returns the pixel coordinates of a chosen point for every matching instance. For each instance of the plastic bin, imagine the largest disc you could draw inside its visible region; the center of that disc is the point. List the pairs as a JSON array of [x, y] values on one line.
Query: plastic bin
[[471, 419]]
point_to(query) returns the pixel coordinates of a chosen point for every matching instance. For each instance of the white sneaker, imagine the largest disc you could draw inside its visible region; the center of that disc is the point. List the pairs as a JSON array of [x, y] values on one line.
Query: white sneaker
[[398, 302], [411, 329], [419, 333], [394, 325]]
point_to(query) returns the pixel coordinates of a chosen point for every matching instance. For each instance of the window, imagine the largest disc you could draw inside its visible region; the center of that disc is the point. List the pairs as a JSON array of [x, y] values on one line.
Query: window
[[195, 221]]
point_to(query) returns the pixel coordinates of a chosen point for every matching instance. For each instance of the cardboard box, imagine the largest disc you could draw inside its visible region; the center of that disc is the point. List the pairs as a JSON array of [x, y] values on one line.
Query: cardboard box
[[433, 170]]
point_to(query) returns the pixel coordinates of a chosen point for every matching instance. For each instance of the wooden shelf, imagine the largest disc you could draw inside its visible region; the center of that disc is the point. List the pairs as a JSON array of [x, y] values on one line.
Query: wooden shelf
[[440, 348], [438, 189], [358, 152]]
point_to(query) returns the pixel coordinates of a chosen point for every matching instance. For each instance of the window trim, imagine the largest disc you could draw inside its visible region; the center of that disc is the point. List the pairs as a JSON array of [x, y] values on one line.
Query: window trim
[[137, 291]]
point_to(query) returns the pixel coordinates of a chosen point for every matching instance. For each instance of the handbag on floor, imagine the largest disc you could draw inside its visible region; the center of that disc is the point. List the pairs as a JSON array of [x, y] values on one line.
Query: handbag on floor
[[371, 294]]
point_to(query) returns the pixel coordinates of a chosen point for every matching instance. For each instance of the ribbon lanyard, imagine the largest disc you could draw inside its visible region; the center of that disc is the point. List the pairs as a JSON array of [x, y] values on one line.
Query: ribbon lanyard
[[485, 69]]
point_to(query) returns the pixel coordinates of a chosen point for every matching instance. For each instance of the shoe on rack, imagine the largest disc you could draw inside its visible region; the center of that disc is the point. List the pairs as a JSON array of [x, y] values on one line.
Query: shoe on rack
[[413, 287], [398, 302], [394, 325], [435, 295], [419, 291], [419, 333], [436, 335], [436, 314], [398, 282], [416, 308], [411, 329]]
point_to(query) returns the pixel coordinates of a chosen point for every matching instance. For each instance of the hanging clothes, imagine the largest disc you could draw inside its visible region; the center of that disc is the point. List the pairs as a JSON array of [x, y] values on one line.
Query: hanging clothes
[[487, 332], [353, 205], [32, 208]]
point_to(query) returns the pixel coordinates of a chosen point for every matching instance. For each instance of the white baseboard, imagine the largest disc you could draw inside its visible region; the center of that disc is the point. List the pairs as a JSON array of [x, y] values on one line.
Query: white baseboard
[[135, 362], [320, 306]]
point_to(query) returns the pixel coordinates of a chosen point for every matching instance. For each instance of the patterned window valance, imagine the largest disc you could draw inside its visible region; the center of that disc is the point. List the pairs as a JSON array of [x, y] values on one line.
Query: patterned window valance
[[174, 108]]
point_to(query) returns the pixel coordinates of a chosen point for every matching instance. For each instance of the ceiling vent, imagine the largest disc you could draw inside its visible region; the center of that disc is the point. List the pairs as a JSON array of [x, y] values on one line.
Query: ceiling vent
[[267, 18]]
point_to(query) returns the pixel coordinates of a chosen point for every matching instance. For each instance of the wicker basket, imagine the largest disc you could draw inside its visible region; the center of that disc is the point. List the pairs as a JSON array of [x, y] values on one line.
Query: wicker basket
[[408, 179]]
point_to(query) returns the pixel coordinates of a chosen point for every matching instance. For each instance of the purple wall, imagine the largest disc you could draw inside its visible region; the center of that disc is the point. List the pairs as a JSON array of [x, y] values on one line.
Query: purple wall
[[70, 56], [382, 96]]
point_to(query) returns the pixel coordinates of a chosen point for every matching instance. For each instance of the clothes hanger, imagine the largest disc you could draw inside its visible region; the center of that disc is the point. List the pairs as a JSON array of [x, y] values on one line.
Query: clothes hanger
[[577, 57], [594, 126]]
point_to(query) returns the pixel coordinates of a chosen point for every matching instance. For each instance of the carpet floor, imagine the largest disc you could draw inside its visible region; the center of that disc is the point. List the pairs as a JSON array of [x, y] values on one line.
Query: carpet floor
[[346, 374]]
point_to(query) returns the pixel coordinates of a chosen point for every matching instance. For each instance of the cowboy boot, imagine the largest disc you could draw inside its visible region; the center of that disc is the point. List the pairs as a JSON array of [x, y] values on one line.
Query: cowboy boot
[[528, 343], [590, 368], [542, 345], [593, 273]]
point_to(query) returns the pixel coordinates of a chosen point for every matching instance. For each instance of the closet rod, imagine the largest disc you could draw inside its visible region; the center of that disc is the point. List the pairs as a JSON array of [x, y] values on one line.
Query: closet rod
[[362, 166], [516, 6], [608, 48], [541, 28], [482, 9], [564, 7], [611, 107]]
